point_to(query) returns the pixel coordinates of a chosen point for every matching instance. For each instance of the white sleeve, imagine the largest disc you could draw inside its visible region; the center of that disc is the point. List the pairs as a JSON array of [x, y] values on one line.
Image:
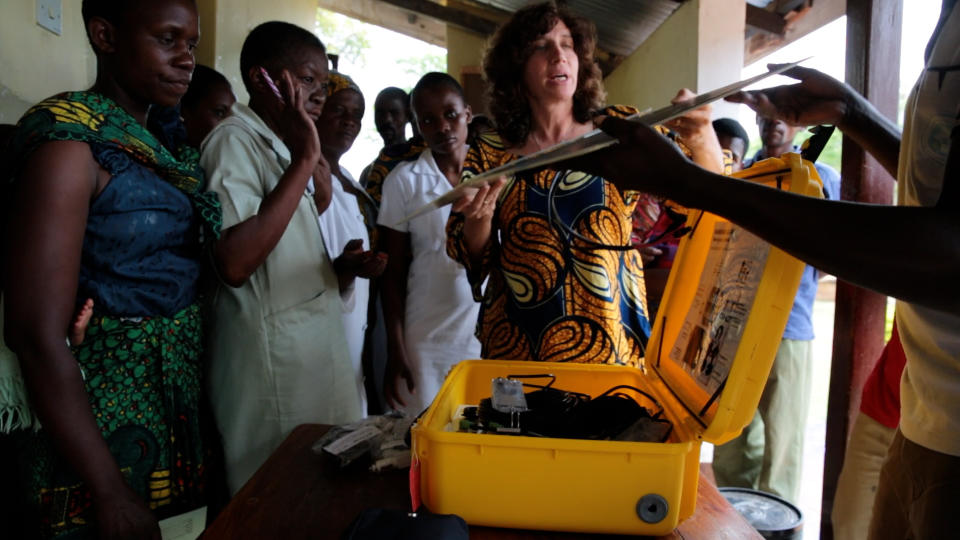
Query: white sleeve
[[395, 199]]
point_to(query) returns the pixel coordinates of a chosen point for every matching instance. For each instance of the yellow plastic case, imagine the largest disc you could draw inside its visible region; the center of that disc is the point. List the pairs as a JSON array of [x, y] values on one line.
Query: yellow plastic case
[[725, 307]]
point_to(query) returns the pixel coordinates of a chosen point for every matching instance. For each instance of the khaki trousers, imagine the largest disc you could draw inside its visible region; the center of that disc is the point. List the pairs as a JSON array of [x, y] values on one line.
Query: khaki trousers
[[768, 455], [857, 485]]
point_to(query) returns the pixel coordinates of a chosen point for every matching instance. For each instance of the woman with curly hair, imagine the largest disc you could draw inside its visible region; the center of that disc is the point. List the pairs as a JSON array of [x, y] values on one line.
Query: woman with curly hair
[[563, 283]]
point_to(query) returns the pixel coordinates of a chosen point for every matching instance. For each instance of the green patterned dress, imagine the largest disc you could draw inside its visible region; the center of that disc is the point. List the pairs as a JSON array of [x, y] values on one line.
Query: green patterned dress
[[141, 356]]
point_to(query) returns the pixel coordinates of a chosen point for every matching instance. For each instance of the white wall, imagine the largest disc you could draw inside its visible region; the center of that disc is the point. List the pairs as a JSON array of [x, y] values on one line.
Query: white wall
[[233, 20], [464, 49], [36, 63], [699, 47]]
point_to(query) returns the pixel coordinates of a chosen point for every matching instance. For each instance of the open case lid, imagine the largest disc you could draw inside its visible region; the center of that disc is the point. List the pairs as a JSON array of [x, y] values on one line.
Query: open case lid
[[724, 310]]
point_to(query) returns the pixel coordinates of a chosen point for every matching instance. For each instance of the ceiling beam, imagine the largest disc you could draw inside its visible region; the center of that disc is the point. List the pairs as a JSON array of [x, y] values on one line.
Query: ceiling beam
[[484, 20], [391, 17], [485, 11], [427, 20], [767, 21], [799, 24], [450, 15]]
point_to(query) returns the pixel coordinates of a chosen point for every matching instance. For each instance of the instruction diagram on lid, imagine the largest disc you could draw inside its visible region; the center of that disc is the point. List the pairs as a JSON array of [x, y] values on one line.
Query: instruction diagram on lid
[[711, 332]]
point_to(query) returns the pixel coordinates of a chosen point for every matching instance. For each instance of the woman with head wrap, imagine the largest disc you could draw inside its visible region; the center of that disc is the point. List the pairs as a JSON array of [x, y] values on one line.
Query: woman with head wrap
[[346, 222]]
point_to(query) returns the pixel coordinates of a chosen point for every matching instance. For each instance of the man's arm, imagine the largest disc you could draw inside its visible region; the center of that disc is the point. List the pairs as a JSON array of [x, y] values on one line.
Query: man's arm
[[821, 99], [50, 207], [854, 241]]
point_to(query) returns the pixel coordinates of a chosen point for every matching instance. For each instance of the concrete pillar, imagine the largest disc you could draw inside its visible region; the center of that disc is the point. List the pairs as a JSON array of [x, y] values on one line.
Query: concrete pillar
[[36, 63], [873, 58], [206, 52], [224, 24], [699, 47], [464, 51], [720, 48]]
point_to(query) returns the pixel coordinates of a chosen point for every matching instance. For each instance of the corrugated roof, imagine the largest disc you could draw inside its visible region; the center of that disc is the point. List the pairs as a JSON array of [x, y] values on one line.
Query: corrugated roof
[[622, 25]]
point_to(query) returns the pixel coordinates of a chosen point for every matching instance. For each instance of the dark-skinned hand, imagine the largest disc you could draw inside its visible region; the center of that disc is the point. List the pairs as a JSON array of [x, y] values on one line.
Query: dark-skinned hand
[[297, 129], [122, 515], [817, 99], [354, 262], [644, 160]]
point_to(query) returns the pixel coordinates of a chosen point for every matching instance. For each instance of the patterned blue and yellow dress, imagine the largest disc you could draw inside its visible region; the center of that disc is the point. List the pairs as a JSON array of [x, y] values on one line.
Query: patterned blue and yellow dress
[[140, 360], [555, 290]]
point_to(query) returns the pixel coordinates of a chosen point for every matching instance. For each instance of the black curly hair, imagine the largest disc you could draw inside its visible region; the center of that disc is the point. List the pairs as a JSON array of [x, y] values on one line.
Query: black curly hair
[[508, 52], [204, 79]]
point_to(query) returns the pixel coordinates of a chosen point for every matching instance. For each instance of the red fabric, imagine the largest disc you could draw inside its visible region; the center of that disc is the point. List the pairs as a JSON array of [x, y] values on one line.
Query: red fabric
[[881, 393], [660, 224]]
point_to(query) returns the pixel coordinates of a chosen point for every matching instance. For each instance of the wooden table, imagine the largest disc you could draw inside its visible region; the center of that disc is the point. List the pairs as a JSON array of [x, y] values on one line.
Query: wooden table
[[297, 494]]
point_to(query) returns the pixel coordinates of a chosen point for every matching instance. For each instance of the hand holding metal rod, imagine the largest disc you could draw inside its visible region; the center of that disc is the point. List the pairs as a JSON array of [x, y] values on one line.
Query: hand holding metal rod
[[590, 142]]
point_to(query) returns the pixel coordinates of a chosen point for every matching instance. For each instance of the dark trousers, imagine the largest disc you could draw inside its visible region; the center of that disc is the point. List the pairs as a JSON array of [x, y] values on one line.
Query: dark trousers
[[918, 495]]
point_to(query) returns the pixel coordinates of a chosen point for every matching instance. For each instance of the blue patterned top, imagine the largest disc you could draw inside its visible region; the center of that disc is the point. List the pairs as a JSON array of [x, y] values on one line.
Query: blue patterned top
[[141, 247]]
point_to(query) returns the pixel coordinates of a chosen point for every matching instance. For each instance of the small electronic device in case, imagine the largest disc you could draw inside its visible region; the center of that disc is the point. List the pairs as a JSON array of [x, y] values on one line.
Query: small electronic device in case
[[551, 412], [507, 397]]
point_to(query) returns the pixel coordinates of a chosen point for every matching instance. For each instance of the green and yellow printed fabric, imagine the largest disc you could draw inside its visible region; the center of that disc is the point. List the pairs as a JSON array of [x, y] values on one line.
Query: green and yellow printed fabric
[[92, 118], [338, 82], [142, 374], [142, 377], [386, 161]]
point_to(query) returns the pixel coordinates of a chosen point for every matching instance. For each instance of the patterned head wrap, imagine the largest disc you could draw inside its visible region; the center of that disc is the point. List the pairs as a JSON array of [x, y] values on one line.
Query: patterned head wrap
[[338, 81]]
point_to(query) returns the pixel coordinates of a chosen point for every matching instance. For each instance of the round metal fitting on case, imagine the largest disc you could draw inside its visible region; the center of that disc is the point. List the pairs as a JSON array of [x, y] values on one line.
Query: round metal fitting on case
[[652, 508]]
